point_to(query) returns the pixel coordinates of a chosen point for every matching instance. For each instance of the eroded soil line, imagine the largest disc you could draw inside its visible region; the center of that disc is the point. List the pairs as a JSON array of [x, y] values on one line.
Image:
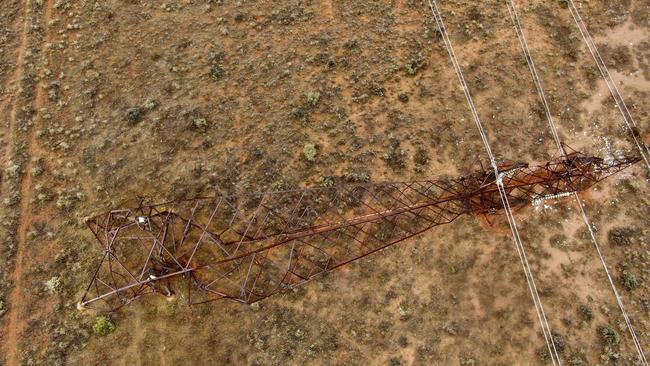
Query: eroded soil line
[[16, 318]]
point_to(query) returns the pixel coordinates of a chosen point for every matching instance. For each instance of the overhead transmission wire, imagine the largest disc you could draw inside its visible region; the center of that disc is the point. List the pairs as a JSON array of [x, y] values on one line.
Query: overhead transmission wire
[[548, 336], [611, 85], [512, 8]]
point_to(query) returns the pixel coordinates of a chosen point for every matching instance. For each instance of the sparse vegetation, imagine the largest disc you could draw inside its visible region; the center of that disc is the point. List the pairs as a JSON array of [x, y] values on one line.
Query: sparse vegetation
[[117, 100]]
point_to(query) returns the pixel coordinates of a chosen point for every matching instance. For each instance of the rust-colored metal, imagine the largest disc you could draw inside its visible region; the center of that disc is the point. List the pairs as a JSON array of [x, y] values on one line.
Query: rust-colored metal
[[249, 247]]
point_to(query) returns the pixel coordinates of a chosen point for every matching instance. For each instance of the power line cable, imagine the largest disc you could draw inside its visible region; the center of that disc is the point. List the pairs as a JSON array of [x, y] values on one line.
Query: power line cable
[[611, 85], [512, 8], [548, 336]]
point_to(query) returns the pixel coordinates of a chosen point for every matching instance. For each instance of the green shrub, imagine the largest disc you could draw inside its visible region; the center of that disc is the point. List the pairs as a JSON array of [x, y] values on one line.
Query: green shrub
[[630, 281], [313, 98], [103, 325], [310, 151]]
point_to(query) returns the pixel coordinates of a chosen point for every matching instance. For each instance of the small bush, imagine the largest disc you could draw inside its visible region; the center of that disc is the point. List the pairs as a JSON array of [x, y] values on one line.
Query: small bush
[[630, 281], [421, 157], [134, 115], [395, 156], [150, 104], [309, 151], [298, 113], [622, 235], [609, 336], [586, 312], [200, 124], [575, 360], [103, 325], [559, 342], [413, 66], [326, 181], [560, 241], [313, 98]]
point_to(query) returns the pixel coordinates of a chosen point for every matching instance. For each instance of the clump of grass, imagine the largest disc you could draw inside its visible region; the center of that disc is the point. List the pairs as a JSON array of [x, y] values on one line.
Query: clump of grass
[[103, 325]]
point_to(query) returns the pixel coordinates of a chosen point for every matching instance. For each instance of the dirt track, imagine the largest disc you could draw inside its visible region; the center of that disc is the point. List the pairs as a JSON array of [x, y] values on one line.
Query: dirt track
[[20, 130]]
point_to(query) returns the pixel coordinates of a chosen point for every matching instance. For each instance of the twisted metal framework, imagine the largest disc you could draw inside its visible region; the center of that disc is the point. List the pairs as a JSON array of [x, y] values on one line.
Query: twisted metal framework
[[249, 247]]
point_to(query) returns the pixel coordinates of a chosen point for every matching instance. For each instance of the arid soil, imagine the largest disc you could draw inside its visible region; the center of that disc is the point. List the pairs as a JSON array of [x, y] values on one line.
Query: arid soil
[[103, 102]]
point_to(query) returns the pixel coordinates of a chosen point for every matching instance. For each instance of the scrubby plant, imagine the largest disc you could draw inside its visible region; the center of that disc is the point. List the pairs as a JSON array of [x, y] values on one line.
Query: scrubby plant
[[309, 150], [586, 312], [395, 156], [326, 181], [134, 115], [421, 156], [575, 360], [559, 342], [622, 235], [560, 241], [200, 124], [103, 325], [609, 336], [217, 72], [357, 177], [53, 285], [630, 280], [313, 98], [298, 113], [67, 200], [150, 104]]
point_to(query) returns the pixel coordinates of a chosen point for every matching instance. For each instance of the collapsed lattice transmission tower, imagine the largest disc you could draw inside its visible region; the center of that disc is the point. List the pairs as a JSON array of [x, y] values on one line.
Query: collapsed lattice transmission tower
[[248, 247]]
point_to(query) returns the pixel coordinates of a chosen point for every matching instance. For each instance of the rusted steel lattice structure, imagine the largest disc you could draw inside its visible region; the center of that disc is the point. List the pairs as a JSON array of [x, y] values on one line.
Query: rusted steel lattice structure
[[249, 247]]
